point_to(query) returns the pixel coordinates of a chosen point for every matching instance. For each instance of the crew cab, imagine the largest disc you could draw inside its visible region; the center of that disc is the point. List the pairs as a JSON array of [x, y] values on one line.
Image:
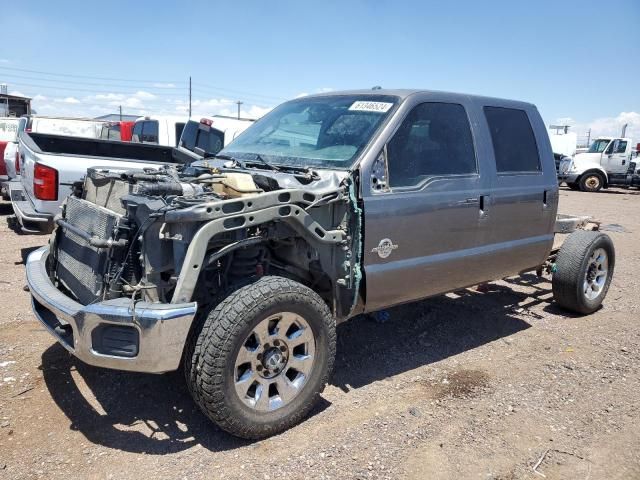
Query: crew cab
[[158, 130], [51, 164], [609, 161], [207, 137], [238, 269]]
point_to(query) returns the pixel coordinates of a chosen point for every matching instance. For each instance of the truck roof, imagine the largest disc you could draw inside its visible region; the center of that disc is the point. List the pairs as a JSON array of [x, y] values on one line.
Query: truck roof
[[407, 92]]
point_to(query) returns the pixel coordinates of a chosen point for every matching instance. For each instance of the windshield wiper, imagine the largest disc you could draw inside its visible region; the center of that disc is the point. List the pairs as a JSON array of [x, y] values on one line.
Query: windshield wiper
[[267, 164], [236, 161]]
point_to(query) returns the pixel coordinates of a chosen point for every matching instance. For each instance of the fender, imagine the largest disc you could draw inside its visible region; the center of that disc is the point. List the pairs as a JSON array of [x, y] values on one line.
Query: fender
[[582, 164]]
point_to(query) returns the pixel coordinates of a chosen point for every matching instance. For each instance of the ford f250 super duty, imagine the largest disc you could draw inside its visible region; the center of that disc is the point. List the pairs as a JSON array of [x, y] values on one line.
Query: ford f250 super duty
[[238, 269]]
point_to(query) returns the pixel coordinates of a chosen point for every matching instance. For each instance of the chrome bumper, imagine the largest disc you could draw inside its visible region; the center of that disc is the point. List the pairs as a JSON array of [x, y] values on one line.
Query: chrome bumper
[[29, 219], [162, 329]]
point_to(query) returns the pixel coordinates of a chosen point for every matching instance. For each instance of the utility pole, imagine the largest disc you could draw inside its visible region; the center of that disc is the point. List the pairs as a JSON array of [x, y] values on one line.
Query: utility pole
[[189, 96], [589, 137], [239, 103], [120, 107]]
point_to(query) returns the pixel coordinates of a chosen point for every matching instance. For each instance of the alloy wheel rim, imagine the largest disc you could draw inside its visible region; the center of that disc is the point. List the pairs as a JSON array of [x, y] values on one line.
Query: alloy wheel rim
[[274, 362], [596, 275]]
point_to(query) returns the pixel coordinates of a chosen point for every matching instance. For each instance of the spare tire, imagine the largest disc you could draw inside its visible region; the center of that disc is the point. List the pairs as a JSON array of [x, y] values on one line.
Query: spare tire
[[583, 271]]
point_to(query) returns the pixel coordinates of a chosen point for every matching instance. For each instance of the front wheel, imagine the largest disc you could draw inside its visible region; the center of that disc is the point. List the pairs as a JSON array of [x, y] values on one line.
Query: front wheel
[[264, 355], [591, 182], [583, 271]]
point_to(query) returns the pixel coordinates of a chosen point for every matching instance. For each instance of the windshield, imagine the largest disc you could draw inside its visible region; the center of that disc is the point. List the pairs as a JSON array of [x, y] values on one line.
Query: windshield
[[328, 131], [599, 145]]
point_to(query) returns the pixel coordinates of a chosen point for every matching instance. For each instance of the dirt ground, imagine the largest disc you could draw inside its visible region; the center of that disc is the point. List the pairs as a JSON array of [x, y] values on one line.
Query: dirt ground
[[483, 385]]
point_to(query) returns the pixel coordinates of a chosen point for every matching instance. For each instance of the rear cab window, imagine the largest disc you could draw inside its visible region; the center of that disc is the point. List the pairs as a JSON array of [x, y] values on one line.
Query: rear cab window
[[514, 143], [150, 131]]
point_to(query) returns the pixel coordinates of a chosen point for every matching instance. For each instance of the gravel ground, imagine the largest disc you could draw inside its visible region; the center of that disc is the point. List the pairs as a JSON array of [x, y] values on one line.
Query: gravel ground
[[487, 384]]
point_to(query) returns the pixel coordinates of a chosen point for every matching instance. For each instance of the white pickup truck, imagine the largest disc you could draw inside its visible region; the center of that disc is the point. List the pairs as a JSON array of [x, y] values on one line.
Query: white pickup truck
[[610, 161], [51, 164], [158, 130], [205, 138]]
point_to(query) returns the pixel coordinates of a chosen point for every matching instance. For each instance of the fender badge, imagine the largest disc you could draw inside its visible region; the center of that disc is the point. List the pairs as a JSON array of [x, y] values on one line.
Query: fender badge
[[384, 248]]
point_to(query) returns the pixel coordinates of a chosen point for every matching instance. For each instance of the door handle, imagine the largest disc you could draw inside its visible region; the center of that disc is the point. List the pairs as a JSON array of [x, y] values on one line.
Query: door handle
[[484, 206], [468, 201]]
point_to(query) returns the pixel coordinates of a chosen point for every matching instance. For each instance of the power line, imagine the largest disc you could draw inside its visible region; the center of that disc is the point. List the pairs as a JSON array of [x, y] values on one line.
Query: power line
[[101, 84], [205, 87], [94, 91], [88, 76]]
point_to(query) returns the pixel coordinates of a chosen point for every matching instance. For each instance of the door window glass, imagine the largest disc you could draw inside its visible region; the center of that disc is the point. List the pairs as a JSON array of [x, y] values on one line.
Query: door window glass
[[434, 140], [621, 147], [514, 144]]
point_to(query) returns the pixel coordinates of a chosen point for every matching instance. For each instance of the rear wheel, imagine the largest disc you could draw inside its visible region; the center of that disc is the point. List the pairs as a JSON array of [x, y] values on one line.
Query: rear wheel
[[591, 182], [583, 271], [263, 357]]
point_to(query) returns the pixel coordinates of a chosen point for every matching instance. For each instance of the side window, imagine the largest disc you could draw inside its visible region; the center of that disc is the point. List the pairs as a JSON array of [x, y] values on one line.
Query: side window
[[150, 131], [136, 135], [513, 141], [434, 140], [188, 137], [621, 147], [609, 150]]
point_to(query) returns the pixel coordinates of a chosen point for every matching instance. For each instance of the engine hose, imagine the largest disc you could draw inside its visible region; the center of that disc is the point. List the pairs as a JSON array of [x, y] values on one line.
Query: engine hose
[[231, 247]]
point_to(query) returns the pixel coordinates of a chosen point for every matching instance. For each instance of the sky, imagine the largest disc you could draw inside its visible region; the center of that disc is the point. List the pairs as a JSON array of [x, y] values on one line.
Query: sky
[[578, 61]]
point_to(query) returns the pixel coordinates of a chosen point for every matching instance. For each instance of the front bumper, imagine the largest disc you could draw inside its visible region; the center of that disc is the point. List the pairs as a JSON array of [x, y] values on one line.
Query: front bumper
[[568, 177], [160, 329], [30, 221]]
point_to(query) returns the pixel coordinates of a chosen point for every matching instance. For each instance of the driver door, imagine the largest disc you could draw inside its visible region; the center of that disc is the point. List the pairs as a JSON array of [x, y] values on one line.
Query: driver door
[[421, 233], [616, 157]]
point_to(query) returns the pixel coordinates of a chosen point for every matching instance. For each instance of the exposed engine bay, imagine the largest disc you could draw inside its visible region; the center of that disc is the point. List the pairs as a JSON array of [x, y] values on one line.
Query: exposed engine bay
[[191, 233]]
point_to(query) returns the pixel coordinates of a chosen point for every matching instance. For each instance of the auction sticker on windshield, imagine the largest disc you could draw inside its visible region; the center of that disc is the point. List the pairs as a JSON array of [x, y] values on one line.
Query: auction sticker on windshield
[[362, 106]]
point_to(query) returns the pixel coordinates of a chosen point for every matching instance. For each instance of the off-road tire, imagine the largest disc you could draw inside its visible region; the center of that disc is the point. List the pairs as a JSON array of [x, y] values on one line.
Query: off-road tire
[[573, 186], [591, 182], [571, 268], [210, 370]]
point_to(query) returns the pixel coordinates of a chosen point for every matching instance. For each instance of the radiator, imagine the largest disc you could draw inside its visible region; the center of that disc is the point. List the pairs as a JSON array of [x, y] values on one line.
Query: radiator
[[81, 267]]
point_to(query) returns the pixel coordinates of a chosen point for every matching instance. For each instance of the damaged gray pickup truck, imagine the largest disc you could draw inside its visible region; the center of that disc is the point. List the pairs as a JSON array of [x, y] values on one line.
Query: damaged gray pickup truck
[[238, 268]]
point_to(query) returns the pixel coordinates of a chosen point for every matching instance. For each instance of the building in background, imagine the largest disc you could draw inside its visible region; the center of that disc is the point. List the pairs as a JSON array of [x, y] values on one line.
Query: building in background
[[13, 105]]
